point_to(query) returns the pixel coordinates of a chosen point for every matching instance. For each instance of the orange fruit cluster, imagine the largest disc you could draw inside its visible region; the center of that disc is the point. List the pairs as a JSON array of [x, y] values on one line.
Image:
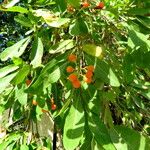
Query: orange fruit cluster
[[89, 74], [73, 77]]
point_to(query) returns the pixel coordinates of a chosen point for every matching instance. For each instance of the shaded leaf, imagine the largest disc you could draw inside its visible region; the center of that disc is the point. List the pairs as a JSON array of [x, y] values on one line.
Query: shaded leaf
[[128, 139], [79, 27], [100, 132]]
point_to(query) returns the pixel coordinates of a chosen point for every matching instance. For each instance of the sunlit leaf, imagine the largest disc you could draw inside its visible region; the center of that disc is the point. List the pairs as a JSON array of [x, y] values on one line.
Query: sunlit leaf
[[74, 126]]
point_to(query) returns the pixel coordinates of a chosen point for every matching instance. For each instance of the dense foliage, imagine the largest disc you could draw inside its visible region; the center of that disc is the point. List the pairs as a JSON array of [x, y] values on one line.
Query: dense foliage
[[85, 64]]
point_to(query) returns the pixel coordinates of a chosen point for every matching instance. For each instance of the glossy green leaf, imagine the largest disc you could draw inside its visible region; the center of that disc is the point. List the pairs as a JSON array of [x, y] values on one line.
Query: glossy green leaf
[[37, 53], [8, 69], [16, 50], [74, 126]]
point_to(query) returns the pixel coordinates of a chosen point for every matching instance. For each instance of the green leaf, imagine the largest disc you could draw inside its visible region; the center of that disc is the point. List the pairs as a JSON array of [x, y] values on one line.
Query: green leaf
[[144, 21], [74, 126], [100, 132], [79, 27], [16, 50], [8, 69], [138, 11], [139, 39], [62, 5], [87, 138], [37, 53], [24, 147], [46, 77], [21, 75], [74, 3], [20, 95], [53, 76], [15, 9], [58, 22], [113, 79], [65, 106], [62, 46], [24, 21], [13, 137], [101, 68], [5, 81], [93, 50], [127, 139]]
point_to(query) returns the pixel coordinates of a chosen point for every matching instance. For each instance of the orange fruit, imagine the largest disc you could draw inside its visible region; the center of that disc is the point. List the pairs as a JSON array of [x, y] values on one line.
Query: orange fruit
[[89, 74], [76, 84], [85, 4], [53, 106], [72, 58], [70, 69], [100, 5], [90, 68], [88, 80], [72, 77], [34, 102], [28, 82]]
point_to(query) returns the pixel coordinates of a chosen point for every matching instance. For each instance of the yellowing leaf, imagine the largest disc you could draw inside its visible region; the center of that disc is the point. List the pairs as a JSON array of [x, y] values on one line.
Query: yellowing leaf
[[93, 50]]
